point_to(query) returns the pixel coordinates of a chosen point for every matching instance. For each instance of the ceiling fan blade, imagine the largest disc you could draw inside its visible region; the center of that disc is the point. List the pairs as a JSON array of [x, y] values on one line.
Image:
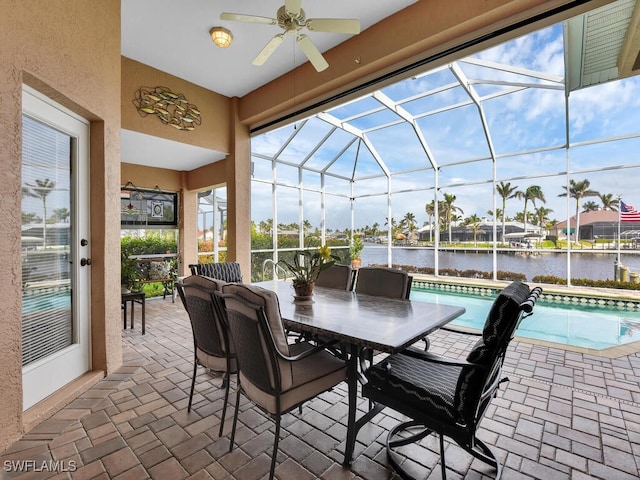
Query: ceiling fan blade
[[292, 7], [312, 53], [335, 25], [240, 17], [268, 49]]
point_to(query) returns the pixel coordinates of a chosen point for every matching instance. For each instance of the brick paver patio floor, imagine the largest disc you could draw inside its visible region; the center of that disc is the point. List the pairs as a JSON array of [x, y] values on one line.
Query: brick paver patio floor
[[562, 415]]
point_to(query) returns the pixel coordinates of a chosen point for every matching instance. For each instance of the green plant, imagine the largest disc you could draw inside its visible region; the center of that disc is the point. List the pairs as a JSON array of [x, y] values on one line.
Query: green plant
[[356, 248], [307, 265], [128, 274]]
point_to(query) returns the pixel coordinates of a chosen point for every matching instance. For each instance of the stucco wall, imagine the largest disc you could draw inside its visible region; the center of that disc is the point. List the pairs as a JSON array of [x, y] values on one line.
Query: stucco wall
[[212, 133], [79, 66]]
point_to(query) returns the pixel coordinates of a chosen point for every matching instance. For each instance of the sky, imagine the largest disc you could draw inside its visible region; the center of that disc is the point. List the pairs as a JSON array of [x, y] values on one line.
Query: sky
[[525, 129]]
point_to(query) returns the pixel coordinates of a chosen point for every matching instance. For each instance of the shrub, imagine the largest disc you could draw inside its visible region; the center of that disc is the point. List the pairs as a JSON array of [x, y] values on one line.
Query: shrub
[[452, 272], [150, 244], [586, 282]]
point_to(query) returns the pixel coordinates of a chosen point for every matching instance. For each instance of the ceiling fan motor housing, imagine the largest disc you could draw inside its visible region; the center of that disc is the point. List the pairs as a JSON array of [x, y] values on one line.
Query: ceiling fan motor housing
[[288, 21]]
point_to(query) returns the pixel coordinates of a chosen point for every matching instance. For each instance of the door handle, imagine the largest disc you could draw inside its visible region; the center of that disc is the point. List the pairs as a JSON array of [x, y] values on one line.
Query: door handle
[[85, 261]]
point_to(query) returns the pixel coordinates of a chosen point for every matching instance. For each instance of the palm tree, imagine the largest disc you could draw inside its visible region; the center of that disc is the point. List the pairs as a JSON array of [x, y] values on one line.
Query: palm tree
[[449, 209], [40, 190], [430, 208], [498, 213], [531, 194], [578, 190], [506, 191], [393, 225], [590, 206], [473, 222], [62, 214], [608, 202], [409, 221], [542, 214]]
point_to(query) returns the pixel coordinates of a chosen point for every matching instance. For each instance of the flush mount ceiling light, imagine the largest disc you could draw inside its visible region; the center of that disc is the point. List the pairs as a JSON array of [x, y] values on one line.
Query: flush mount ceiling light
[[221, 36]]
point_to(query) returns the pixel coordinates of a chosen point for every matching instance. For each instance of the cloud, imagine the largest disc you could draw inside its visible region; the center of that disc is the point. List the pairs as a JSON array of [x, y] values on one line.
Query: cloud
[[518, 124]]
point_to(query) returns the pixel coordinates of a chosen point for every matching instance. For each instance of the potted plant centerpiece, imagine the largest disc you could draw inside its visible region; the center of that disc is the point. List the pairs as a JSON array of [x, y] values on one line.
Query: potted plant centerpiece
[[306, 267], [354, 252]]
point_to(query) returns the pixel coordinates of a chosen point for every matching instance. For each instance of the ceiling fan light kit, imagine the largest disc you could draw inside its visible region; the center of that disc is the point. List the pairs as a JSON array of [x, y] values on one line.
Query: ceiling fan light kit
[[221, 36], [291, 18]]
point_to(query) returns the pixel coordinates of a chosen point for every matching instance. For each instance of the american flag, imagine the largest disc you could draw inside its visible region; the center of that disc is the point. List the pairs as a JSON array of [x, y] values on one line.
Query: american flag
[[628, 213]]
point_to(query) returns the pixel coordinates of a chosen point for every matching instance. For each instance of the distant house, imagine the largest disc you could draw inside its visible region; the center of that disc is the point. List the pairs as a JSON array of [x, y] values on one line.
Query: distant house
[[594, 225], [463, 233]]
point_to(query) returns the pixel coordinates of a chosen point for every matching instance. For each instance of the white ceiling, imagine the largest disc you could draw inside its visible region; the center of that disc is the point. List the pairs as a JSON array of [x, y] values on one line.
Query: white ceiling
[[174, 37]]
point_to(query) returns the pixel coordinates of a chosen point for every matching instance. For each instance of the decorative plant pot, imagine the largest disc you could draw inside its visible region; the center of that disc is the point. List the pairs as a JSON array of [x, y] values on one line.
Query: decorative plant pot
[[303, 292]]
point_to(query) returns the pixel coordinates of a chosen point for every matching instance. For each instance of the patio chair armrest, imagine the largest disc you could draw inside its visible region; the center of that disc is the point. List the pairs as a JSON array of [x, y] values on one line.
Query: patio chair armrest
[[430, 357], [306, 353], [461, 331]]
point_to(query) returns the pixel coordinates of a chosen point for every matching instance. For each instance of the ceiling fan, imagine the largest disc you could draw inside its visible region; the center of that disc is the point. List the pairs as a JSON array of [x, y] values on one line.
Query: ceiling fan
[[291, 18]]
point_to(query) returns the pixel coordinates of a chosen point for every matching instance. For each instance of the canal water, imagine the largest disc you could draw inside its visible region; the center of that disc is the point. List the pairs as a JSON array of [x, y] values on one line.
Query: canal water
[[592, 265]]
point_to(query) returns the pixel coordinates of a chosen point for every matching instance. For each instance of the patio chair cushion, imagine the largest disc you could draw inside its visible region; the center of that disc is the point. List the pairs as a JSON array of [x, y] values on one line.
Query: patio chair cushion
[[316, 373], [500, 322], [208, 351], [414, 382], [269, 301], [497, 332]]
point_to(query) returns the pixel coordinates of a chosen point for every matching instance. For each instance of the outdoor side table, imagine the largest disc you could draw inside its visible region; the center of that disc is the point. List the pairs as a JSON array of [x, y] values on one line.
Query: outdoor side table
[[133, 297]]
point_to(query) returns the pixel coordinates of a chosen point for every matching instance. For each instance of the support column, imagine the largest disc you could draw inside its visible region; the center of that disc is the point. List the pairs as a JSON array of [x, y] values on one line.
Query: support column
[[238, 176], [188, 229]]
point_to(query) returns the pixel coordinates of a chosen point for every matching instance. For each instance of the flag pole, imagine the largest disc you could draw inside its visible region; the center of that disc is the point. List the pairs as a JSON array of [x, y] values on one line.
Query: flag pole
[[619, 221]]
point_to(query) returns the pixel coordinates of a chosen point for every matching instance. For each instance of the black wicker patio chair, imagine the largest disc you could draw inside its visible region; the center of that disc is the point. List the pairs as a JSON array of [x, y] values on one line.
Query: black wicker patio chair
[[449, 397], [225, 271]]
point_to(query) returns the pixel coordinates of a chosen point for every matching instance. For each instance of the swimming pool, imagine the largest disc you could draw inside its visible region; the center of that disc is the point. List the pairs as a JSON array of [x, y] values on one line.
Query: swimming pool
[[581, 326]]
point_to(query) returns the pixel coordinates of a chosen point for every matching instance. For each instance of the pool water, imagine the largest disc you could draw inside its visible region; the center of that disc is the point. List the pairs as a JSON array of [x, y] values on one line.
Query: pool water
[[581, 326]]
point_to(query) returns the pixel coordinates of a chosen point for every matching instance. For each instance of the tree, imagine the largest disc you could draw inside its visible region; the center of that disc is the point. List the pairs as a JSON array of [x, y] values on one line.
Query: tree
[[393, 225], [40, 190], [506, 191], [498, 214], [266, 226], [542, 215], [449, 210], [471, 219], [531, 194], [473, 222], [430, 208], [590, 206], [409, 221], [608, 202], [578, 190], [61, 214]]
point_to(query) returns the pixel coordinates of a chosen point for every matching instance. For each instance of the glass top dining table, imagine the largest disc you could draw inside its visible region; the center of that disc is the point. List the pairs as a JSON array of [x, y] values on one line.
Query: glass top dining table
[[360, 322]]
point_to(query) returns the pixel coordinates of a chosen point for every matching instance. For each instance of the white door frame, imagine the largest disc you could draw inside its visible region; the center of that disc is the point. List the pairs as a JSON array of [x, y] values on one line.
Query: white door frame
[[45, 376]]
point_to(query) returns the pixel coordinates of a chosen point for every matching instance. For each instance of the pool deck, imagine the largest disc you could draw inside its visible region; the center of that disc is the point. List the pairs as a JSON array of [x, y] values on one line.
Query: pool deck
[[563, 415]]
